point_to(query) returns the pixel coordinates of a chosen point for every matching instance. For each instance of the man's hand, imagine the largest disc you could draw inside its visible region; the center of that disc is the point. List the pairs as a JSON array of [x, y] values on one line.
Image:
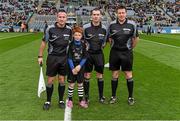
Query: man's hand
[[41, 50], [74, 71], [78, 68], [40, 61], [135, 41]]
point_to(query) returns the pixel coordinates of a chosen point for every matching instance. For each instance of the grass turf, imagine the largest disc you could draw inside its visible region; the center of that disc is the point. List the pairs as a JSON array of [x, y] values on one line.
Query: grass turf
[[156, 84]]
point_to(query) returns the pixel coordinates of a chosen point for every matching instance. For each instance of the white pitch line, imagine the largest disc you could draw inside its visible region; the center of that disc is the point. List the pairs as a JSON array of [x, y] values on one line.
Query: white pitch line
[[67, 113], [13, 36], [161, 43]]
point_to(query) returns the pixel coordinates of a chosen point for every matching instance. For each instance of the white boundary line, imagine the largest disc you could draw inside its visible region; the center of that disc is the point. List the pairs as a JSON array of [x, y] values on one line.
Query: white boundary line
[[92, 120], [14, 36], [67, 113], [161, 43]]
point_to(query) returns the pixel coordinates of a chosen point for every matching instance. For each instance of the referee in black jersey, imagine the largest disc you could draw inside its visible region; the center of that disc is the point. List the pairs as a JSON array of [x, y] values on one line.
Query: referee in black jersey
[[57, 36], [95, 34], [123, 37]]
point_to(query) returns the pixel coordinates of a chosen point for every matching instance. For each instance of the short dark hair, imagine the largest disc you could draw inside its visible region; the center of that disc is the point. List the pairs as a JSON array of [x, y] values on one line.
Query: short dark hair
[[96, 9], [62, 10], [121, 7]]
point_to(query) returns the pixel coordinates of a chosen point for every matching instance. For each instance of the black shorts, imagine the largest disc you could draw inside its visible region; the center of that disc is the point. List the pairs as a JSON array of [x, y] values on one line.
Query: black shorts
[[73, 78], [120, 59], [56, 65], [96, 60]]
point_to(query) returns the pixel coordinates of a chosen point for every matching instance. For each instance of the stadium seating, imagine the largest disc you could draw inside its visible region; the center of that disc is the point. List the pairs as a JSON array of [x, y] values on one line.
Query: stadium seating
[[163, 14]]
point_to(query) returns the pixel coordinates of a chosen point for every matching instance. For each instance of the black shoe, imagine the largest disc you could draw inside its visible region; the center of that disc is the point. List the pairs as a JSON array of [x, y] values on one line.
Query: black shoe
[[112, 100], [61, 104], [102, 100], [131, 101], [46, 106]]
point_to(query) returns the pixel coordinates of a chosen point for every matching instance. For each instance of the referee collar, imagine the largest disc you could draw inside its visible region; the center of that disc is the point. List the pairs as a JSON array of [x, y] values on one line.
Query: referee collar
[[100, 25], [119, 22], [58, 26]]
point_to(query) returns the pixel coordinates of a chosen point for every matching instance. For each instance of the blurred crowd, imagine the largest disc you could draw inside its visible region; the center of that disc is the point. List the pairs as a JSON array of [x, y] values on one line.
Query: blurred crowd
[[15, 13], [18, 12], [145, 12]]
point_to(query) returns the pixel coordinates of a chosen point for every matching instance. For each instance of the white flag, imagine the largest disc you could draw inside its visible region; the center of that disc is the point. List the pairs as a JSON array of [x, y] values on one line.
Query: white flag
[[41, 85]]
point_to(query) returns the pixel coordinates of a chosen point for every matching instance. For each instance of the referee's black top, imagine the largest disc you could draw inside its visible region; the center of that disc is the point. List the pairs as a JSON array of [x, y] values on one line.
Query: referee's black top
[[122, 34], [95, 36], [58, 39]]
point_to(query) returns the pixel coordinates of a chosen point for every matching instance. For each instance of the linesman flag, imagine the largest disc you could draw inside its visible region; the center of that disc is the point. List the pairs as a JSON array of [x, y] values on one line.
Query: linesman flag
[[41, 85]]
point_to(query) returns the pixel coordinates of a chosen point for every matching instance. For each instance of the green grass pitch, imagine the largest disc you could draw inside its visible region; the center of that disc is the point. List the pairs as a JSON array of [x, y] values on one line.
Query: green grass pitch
[[156, 74]]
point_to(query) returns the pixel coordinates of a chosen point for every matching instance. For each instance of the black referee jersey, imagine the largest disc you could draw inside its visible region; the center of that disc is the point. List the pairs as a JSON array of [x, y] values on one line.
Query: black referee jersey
[[122, 34], [95, 36], [58, 39]]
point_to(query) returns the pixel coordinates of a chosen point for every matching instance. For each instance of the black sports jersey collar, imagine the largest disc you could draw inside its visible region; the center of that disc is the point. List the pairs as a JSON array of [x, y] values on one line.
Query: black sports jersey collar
[[59, 27], [117, 21], [100, 25]]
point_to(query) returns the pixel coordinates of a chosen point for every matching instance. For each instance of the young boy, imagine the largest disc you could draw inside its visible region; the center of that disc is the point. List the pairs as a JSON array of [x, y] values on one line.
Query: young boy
[[77, 55]]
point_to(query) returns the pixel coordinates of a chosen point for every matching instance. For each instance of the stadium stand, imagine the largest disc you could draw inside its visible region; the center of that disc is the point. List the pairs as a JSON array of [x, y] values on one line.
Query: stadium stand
[[162, 14], [13, 13]]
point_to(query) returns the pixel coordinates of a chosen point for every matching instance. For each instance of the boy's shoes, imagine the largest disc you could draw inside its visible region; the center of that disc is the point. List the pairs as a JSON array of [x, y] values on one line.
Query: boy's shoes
[[70, 104], [83, 104], [87, 101]]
